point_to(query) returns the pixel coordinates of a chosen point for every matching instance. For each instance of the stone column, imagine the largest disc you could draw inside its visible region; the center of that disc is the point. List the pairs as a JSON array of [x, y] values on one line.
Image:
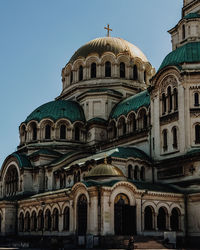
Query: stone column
[[93, 213], [138, 216]]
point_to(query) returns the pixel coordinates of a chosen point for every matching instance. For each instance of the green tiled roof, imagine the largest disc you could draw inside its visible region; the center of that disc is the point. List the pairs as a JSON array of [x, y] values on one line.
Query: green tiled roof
[[188, 53], [141, 185], [56, 110], [22, 160], [191, 15], [45, 152], [141, 99], [130, 152]]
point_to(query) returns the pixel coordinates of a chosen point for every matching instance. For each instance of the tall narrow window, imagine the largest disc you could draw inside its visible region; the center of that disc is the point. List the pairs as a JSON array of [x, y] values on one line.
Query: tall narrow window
[[175, 140], [33, 221], [135, 72], [145, 76], [21, 222], [77, 133], [175, 99], [196, 99], [71, 76], [62, 132], [93, 70], [40, 220], [169, 95], [47, 131], [161, 219], [174, 219], [142, 173], [66, 219], [108, 69], [165, 146], [136, 173], [122, 70], [48, 220], [197, 134], [183, 31], [148, 218], [55, 219], [164, 106], [80, 72], [34, 131], [130, 169]]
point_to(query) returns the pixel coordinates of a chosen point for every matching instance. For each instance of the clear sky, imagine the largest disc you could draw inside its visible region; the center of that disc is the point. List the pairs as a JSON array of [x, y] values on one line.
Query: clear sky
[[38, 37]]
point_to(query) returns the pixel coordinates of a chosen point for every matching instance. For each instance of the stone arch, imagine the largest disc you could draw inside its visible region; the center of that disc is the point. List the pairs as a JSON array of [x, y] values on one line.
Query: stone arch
[[77, 63], [66, 217], [44, 134], [131, 122], [112, 129], [68, 126], [121, 125], [23, 133], [32, 131], [149, 217]]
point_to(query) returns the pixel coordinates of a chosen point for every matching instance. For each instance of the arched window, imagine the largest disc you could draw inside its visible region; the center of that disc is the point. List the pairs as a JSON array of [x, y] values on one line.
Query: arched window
[[93, 70], [148, 218], [136, 172], [175, 139], [47, 131], [165, 145], [82, 215], [107, 69], [142, 173], [11, 181], [131, 123], [66, 219], [80, 73], [62, 131], [161, 219], [145, 76], [34, 131], [21, 222], [71, 76], [78, 176], [169, 95], [122, 126], [130, 170], [196, 99], [48, 220], [113, 130], [122, 70], [164, 106], [55, 219], [197, 134], [183, 31], [77, 133], [23, 134], [175, 99], [27, 222], [135, 73], [174, 219], [33, 221], [40, 220], [142, 119]]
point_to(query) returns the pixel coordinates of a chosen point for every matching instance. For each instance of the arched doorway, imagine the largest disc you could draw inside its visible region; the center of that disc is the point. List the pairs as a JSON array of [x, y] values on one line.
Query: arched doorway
[[148, 218], [82, 215], [174, 219], [161, 219], [124, 216]]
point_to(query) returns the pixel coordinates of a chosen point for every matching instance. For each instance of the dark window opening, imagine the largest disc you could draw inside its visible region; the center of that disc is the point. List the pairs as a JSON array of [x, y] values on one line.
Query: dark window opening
[[161, 219], [34, 132], [82, 215], [122, 70], [130, 170], [66, 219], [164, 106], [77, 133], [165, 146], [169, 99], [71, 77], [174, 220], [196, 99], [175, 99], [107, 69], [81, 73], [135, 73], [148, 218], [197, 133], [183, 31], [175, 140], [62, 132], [93, 70], [136, 173], [47, 131], [55, 219]]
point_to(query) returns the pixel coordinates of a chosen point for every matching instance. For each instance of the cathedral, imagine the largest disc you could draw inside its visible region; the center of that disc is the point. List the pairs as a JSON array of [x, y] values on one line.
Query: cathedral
[[117, 153]]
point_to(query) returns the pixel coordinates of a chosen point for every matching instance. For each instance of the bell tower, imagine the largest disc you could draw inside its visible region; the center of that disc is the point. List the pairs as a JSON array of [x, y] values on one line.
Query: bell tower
[[188, 28]]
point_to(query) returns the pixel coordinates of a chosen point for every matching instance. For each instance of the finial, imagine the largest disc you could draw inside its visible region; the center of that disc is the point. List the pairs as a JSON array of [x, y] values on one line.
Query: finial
[[108, 30]]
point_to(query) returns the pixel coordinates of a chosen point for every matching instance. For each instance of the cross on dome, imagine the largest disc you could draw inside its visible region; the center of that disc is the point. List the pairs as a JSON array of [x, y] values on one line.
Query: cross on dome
[[108, 30]]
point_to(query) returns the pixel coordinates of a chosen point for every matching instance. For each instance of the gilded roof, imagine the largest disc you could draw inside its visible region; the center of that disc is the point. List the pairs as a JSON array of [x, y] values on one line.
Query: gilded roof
[[55, 110], [132, 103], [188, 53], [108, 44], [105, 170]]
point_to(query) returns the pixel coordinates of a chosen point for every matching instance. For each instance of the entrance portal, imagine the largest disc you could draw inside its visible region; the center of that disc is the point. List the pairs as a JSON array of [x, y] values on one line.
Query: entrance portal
[[125, 216], [82, 215]]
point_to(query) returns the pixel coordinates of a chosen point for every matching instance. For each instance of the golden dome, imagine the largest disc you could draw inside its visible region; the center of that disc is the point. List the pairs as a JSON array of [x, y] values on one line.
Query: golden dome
[[105, 170], [108, 44]]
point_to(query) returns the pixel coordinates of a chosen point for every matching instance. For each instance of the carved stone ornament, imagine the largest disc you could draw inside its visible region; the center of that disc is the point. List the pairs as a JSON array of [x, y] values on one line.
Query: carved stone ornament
[[169, 80]]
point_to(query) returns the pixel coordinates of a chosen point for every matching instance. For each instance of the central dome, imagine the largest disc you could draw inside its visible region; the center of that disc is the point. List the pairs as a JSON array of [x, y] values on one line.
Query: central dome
[[108, 44]]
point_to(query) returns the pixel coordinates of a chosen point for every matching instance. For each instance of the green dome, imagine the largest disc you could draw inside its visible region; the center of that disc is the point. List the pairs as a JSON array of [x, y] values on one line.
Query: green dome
[[58, 109], [104, 170], [108, 44], [188, 53]]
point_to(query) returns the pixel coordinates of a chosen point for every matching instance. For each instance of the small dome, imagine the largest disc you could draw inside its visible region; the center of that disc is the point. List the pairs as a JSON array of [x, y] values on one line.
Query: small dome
[[108, 44], [188, 53], [104, 170], [56, 110]]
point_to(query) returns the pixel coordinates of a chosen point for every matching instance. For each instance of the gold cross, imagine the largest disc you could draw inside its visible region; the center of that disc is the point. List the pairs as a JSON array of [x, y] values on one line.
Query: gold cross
[[108, 30]]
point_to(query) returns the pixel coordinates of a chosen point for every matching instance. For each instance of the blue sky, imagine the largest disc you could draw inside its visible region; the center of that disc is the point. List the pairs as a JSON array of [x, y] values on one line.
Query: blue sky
[[38, 37]]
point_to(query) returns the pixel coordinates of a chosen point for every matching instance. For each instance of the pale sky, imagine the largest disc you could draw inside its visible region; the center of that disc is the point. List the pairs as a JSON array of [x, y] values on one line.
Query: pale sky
[[38, 37]]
